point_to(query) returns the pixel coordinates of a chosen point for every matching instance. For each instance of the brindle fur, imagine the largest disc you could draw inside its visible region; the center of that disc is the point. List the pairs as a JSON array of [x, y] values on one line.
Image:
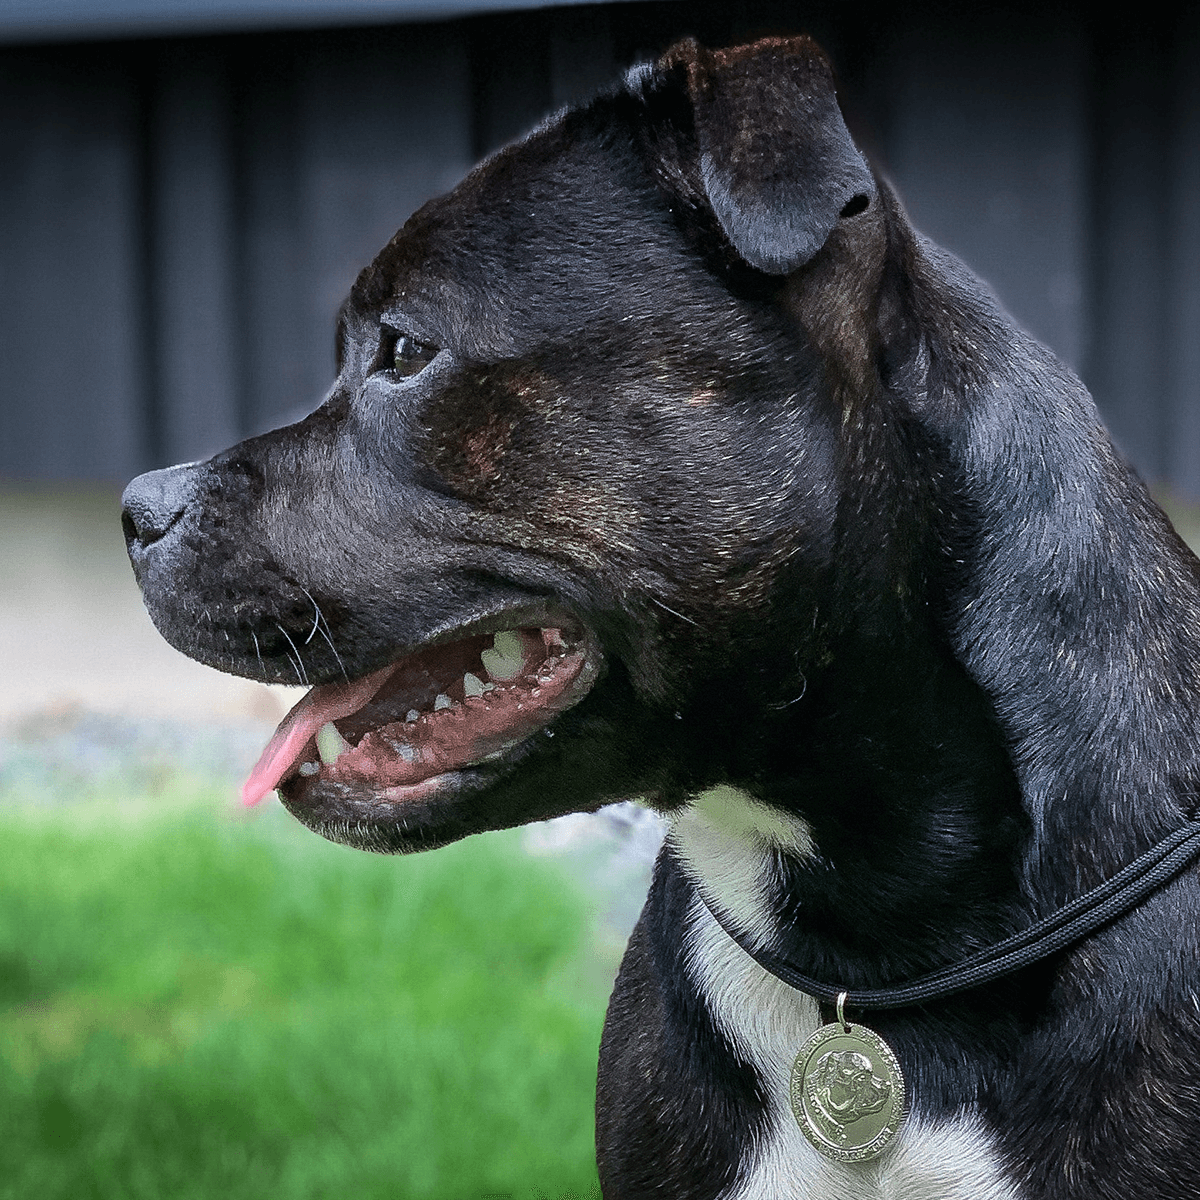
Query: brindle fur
[[852, 543]]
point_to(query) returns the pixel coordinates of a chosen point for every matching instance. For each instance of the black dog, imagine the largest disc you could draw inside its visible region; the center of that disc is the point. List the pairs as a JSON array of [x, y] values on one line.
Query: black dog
[[665, 459]]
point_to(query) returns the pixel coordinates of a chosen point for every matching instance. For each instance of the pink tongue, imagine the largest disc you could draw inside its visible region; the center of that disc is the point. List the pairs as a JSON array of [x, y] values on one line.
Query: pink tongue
[[321, 705]]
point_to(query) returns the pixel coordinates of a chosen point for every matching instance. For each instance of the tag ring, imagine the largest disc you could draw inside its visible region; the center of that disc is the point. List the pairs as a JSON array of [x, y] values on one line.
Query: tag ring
[[841, 1011]]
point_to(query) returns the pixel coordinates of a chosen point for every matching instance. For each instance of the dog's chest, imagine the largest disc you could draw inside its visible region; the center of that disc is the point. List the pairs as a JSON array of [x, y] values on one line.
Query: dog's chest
[[765, 1022]]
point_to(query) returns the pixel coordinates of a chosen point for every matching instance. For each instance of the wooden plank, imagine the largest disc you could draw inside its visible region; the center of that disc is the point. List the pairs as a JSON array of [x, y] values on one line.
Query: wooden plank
[[988, 145], [1126, 363], [1182, 465], [70, 372], [192, 273]]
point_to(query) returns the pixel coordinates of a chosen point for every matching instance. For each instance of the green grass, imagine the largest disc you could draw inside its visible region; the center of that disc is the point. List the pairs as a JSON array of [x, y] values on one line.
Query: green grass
[[196, 1007]]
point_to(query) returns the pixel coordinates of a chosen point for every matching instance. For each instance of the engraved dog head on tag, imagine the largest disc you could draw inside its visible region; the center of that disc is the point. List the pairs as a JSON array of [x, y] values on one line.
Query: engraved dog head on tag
[[846, 1087], [847, 1092]]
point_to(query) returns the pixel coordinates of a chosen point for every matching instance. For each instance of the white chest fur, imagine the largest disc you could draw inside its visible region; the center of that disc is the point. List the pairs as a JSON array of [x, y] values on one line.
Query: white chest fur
[[725, 841]]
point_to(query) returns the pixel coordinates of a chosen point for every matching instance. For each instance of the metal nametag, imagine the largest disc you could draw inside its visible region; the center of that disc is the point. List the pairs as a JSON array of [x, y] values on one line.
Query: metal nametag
[[847, 1091]]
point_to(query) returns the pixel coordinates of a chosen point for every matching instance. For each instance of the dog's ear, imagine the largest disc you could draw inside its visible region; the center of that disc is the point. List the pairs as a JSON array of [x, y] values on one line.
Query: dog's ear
[[776, 159]]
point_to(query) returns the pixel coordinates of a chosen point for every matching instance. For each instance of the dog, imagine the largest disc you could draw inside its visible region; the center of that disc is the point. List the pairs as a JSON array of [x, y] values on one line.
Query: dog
[[666, 460]]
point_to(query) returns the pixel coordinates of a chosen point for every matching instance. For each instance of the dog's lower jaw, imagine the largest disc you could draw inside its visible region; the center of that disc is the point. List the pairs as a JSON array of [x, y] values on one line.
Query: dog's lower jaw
[[396, 749], [409, 757]]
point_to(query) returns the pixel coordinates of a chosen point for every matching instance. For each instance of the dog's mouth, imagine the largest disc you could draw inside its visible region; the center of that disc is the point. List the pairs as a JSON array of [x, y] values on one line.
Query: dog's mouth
[[401, 732]]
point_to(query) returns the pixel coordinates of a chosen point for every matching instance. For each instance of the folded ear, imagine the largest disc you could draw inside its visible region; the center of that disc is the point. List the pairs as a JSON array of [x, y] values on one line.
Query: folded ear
[[776, 159]]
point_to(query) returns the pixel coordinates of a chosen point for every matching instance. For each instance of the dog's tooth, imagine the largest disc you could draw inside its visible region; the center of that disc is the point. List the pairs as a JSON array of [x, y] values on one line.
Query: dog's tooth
[[472, 685], [501, 669], [309, 768], [440, 701], [412, 715], [330, 744], [506, 658], [508, 642]]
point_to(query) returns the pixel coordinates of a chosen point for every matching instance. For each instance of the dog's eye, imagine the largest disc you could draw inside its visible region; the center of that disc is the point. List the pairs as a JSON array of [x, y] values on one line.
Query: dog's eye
[[410, 356]]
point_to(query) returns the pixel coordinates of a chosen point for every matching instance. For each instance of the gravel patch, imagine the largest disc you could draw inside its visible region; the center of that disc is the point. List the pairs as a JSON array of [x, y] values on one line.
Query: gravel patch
[[67, 754]]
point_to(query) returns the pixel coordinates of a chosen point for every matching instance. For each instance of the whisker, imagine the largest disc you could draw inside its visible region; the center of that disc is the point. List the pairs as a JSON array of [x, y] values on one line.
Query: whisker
[[312, 633], [295, 667], [674, 613], [258, 652], [795, 700], [326, 635], [321, 626], [301, 673]]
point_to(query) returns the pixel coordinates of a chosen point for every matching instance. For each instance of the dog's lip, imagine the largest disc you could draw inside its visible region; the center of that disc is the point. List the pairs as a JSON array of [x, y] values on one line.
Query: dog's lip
[[396, 758]]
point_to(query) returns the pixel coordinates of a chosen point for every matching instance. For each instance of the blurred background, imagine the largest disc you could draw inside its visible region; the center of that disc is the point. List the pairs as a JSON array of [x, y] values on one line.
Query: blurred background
[[189, 187], [195, 1003]]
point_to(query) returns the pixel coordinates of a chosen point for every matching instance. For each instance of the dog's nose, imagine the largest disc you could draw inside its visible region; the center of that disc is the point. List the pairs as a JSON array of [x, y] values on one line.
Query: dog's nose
[[152, 503]]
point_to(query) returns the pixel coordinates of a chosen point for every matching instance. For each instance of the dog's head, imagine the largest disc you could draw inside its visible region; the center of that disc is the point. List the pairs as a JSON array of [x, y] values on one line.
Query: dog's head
[[562, 531]]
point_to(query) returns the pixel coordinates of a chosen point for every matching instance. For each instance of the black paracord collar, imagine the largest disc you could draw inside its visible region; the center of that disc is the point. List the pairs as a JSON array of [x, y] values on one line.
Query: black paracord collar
[[1084, 915]]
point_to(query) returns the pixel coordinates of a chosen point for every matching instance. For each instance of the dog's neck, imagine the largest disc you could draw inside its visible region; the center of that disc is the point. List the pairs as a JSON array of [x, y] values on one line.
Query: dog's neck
[[894, 839], [951, 777]]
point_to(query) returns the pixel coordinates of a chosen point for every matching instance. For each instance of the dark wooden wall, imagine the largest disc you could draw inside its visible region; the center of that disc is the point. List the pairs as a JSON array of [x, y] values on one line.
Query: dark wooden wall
[[180, 218]]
